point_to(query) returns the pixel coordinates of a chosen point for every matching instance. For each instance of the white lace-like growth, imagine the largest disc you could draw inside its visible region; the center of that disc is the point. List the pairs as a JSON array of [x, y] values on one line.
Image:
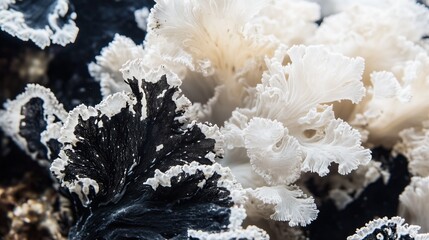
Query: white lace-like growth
[[384, 228], [413, 202], [290, 129], [415, 146], [387, 34], [59, 27]]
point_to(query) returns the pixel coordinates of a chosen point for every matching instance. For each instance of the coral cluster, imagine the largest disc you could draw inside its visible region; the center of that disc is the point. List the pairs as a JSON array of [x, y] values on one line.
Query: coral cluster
[[222, 119]]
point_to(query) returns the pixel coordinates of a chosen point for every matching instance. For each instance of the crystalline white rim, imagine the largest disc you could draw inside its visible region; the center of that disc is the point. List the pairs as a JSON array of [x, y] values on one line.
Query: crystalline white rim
[[11, 117]]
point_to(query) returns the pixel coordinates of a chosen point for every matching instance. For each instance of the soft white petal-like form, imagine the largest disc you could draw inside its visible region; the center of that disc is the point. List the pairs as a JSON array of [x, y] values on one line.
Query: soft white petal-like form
[[309, 80], [41, 21], [273, 153], [291, 94], [287, 123], [289, 204], [338, 142], [368, 23], [413, 202], [387, 34], [210, 31], [234, 130], [415, 146], [385, 85], [288, 22], [384, 117], [312, 69], [141, 16], [215, 44], [111, 59]]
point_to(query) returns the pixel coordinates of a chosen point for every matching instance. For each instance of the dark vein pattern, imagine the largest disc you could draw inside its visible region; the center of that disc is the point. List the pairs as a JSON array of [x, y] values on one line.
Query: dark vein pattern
[[138, 168]]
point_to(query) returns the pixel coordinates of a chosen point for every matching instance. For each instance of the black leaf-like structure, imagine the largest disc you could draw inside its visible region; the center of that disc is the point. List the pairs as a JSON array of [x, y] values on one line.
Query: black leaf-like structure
[[138, 168], [33, 120]]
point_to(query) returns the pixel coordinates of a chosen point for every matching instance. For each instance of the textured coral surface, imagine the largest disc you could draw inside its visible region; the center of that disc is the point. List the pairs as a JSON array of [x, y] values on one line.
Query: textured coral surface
[[214, 119]]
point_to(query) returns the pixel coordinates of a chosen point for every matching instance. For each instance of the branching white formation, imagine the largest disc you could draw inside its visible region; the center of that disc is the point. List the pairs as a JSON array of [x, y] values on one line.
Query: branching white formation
[[288, 109], [384, 228], [413, 200], [387, 34], [218, 47], [289, 130], [112, 58], [413, 203], [58, 26], [415, 146]]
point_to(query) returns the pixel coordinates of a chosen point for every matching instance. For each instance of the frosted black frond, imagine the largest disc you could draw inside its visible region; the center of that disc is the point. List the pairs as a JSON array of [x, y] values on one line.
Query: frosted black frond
[[119, 143], [140, 168]]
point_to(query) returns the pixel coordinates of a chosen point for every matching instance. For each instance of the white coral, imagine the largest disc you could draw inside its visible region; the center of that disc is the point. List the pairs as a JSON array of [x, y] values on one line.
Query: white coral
[[387, 34], [415, 146], [112, 58], [289, 129], [413, 202], [235, 53], [218, 46]]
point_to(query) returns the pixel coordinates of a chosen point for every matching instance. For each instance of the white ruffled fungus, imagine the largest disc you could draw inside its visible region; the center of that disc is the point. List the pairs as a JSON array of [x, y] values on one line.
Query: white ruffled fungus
[[415, 146], [41, 21], [413, 204], [235, 53], [218, 47], [388, 36], [112, 58], [289, 130]]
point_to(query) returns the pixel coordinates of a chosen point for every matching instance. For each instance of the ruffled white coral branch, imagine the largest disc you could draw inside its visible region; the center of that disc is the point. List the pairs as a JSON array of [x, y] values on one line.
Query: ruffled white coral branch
[[413, 202], [289, 130], [289, 203], [415, 146], [111, 59]]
